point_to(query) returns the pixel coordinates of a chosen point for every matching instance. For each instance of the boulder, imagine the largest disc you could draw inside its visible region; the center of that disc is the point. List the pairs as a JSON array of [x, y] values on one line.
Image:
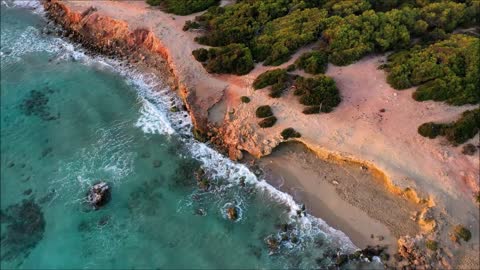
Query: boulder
[[99, 195], [232, 213]]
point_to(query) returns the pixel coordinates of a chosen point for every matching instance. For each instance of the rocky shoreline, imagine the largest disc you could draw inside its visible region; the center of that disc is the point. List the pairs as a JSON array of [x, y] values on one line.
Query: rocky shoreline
[[112, 38], [140, 47]]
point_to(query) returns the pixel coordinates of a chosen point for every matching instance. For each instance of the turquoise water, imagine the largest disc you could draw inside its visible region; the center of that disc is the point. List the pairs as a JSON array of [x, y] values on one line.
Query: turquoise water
[[69, 120]]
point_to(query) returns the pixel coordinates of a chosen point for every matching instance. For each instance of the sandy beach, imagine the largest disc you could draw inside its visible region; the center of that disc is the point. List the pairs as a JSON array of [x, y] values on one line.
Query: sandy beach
[[348, 197], [367, 173]]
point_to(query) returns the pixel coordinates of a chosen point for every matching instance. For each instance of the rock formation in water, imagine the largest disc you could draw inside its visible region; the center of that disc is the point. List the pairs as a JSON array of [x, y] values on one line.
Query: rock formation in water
[[98, 195]]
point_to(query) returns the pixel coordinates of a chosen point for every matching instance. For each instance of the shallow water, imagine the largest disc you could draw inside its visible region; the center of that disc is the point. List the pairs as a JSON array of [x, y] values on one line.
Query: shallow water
[[69, 120]]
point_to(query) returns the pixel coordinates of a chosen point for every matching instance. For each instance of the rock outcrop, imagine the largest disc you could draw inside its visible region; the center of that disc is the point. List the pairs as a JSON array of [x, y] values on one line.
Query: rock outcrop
[[98, 195]]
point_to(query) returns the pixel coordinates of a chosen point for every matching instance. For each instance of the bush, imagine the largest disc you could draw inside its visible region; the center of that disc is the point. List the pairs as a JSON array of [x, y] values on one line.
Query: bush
[[278, 79], [201, 55], [290, 133], [314, 62], [447, 70], [233, 59], [464, 128], [432, 245], [462, 232], [456, 132], [274, 29], [190, 25], [430, 130], [245, 99], [269, 78], [264, 111], [318, 91], [183, 7], [283, 36], [268, 122]]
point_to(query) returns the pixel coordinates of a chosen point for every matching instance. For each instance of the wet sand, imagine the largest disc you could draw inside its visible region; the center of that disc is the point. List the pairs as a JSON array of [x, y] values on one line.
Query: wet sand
[[346, 196]]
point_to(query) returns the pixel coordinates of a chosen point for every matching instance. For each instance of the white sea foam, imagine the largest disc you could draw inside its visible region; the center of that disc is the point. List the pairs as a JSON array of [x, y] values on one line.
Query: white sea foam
[[33, 5], [158, 120]]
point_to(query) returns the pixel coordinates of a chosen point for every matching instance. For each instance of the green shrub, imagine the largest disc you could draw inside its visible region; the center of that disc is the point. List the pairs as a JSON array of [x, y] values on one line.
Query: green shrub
[[432, 245], [430, 130], [245, 99], [318, 91], [233, 58], [290, 133], [264, 111], [464, 128], [201, 55], [314, 62], [190, 25], [183, 7], [269, 78], [447, 70], [462, 232], [456, 132], [345, 8], [274, 29], [268, 122], [278, 79], [283, 36]]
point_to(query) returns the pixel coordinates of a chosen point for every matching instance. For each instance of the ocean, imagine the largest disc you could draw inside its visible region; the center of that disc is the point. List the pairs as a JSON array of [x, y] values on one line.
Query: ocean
[[70, 120]]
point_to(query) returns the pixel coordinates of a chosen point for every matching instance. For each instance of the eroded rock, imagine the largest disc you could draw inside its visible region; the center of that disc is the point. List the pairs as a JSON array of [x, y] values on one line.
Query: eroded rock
[[98, 195]]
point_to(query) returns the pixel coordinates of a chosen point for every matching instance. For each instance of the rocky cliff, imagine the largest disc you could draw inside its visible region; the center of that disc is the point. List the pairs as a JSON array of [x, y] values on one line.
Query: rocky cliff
[[110, 37]]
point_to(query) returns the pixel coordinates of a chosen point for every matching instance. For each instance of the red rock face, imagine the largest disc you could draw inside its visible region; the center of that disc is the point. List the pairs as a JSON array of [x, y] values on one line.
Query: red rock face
[[108, 36]]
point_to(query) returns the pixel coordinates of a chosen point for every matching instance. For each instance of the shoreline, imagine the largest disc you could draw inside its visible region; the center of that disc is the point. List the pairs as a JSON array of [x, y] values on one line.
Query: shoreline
[[324, 187], [198, 101]]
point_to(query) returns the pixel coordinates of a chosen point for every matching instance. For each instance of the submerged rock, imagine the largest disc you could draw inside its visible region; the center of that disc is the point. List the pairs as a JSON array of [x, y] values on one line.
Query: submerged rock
[[99, 195], [36, 103], [25, 225], [272, 244]]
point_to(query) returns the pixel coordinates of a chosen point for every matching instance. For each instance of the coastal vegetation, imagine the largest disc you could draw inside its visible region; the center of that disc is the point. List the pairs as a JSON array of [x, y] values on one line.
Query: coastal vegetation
[[283, 36], [348, 30], [233, 58], [290, 133], [313, 62], [318, 91], [245, 99], [456, 132], [268, 122], [183, 7], [264, 111], [447, 70], [278, 79]]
